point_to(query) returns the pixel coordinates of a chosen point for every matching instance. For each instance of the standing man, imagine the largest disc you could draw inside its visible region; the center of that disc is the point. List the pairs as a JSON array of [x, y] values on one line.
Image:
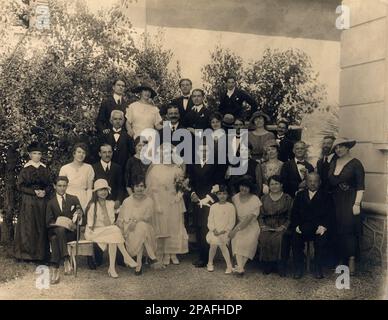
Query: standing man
[[323, 164], [202, 177], [116, 101], [122, 144], [236, 101], [309, 222], [184, 102], [198, 117], [284, 142], [171, 124]]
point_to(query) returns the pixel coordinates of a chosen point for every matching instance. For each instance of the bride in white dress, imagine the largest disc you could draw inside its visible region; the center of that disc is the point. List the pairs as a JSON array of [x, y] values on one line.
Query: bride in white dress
[[168, 218], [80, 175]]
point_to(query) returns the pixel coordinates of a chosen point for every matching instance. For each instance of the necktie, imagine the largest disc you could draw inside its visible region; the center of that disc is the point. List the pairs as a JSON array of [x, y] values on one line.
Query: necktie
[[300, 162], [172, 128], [185, 98], [118, 101], [63, 202], [107, 169], [325, 160]]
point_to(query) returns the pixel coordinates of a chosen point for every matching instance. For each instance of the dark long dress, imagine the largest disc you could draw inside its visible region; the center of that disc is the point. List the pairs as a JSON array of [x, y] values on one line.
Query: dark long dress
[[345, 187], [273, 215], [134, 168], [31, 242]]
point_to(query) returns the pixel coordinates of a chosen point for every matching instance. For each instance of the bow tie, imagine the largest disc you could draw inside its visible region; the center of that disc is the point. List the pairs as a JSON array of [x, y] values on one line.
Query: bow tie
[[300, 162], [185, 98]]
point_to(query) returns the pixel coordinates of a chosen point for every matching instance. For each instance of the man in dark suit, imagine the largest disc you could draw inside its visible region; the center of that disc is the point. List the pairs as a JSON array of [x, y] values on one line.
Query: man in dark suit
[[294, 171], [309, 222], [184, 102], [236, 101], [62, 205], [122, 144], [116, 101], [285, 143], [171, 125], [323, 164], [198, 117], [202, 177]]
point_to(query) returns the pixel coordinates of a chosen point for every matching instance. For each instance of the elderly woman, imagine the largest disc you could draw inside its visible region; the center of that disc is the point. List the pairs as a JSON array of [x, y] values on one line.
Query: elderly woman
[[80, 175], [245, 234], [34, 184], [346, 177], [259, 135], [134, 221], [274, 220], [271, 167], [142, 114], [100, 226]]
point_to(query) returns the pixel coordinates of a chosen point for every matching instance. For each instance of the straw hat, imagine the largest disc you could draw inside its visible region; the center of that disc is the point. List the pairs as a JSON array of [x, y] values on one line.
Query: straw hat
[[345, 142], [101, 184]]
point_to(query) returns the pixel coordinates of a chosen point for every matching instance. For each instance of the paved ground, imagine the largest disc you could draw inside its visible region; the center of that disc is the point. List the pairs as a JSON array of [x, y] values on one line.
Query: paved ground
[[186, 282]]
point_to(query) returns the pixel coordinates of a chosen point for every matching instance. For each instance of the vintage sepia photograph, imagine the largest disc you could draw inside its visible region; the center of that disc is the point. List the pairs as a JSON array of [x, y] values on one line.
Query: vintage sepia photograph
[[193, 150]]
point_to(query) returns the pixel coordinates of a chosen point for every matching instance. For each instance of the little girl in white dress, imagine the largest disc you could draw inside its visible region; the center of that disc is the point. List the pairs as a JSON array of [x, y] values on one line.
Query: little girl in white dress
[[222, 218]]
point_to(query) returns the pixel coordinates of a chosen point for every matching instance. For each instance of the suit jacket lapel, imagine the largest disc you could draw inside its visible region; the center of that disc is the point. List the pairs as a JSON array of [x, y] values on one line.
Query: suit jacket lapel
[[295, 169]]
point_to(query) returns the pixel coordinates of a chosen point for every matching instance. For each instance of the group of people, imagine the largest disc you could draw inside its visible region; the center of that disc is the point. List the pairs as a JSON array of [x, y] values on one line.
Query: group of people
[[147, 209]]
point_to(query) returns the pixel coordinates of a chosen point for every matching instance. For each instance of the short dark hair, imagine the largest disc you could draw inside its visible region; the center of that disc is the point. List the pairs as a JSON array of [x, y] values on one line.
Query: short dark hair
[[275, 177], [118, 79], [329, 137], [82, 146], [61, 178], [284, 122], [199, 90], [139, 179], [171, 106], [185, 79], [216, 115], [104, 144], [223, 188], [230, 76]]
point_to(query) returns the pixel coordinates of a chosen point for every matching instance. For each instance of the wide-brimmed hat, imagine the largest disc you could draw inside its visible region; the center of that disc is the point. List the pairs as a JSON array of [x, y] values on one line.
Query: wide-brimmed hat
[[101, 184], [259, 114], [246, 181], [35, 146], [64, 222], [345, 142], [145, 86]]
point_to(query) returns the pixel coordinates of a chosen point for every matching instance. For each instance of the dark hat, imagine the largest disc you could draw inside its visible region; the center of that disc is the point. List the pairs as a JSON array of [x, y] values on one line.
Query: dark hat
[[145, 86], [246, 181], [35, 146], [228, 120], [259, 114]]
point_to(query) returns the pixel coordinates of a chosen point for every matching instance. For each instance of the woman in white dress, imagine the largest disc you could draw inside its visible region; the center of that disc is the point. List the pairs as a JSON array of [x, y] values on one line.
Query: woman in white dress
[[80, 175], [142, 114], [100, 227], [245, 234], [134, 221], [168, 219]]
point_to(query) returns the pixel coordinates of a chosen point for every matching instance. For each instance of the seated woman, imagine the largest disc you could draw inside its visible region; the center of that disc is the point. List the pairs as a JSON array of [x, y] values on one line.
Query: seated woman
[[274, 220], [272, 166], [100, 226], [245, 234], [134, 220]]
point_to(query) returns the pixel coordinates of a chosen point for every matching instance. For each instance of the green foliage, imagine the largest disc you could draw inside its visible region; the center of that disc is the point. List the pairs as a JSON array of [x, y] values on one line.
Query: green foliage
[[53, 84], [283, 82]]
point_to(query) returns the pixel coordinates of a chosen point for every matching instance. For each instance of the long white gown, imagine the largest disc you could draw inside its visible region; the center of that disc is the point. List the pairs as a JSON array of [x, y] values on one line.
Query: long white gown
[[168, 219], [80, 180]]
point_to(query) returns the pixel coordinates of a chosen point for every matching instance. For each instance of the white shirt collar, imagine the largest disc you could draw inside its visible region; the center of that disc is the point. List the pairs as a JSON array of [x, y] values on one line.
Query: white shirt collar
[[230, 92], [104, 164], [34, 164], [117, 97], [173, 125], [198, 108], [312, 194], [117, 130], [329, 157], [218, 133]]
